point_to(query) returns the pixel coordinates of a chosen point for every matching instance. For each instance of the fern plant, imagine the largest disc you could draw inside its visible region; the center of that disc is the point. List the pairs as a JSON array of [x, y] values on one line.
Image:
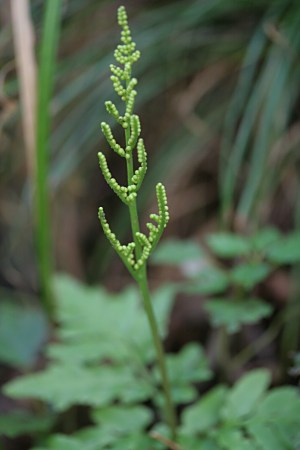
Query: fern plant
[[136, 253], [114, 370]]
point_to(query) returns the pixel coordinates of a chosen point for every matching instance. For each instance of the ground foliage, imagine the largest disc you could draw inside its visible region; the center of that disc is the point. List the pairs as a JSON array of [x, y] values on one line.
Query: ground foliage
[[111, 368]]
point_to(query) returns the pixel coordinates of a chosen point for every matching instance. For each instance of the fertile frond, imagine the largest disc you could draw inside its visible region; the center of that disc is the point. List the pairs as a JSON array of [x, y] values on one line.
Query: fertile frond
[[146, 250], [106, 130], [113, 111], [162, 218], [134, 254], [125, 252], [139, 173], [127, 49], [121, 191], [130, 102], [135, 130]]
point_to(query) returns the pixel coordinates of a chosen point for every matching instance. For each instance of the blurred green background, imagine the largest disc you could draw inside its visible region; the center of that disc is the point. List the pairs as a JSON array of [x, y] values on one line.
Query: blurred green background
[[218, 97]]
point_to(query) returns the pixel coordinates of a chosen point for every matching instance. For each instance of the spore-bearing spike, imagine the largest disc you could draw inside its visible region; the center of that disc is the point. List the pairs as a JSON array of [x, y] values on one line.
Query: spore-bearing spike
[[123, 251], [113, 111], [106, 130], [121, 191], [135, 130], [126, 54], [139, 173]]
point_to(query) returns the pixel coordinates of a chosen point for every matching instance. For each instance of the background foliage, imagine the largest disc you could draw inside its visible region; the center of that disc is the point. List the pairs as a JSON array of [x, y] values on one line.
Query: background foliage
[[219, 105]]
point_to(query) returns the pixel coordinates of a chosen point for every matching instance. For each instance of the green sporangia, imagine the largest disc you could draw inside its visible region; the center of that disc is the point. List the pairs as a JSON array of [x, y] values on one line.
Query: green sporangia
[[136, 253]]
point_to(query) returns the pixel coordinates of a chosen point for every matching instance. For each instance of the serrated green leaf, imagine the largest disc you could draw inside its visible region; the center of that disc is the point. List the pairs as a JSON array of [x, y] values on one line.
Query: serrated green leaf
[[245, 395], [90, 350], [23, 331], [210, 281], [137, 441], [177, 252], [280, 405], [20, 422], [118, 419], [265, 437], [93, 438], [229, 245], [288, 432], [285, 250], [191, 443], [234, 313], [264, 238], [205, 413], [96, 437], [88, 336], [87, 318], [60, 442], [80, 309], [189, 365], [181, 393], [184, 368], [248, 275], [64, 386], [233, 438]]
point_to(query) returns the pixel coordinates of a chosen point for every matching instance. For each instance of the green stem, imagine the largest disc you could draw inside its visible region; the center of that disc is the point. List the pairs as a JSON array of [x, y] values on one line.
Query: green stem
[[134, 219], [169, 407], [144, 290], [45, 84]]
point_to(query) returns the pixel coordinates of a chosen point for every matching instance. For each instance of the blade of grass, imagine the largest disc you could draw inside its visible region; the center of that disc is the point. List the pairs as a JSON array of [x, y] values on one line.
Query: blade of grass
[[266, 122], [262, 141], [231, 159], [274, 119], [51, 28]]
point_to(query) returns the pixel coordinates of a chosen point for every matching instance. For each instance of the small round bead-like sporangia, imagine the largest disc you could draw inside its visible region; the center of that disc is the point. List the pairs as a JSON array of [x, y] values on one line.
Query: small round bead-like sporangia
[[124, 85]]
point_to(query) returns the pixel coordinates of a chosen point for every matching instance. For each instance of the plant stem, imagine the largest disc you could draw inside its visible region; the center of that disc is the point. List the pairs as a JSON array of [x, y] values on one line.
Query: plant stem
[[134, 219], [169, 407], [45, 83], [144, 290]]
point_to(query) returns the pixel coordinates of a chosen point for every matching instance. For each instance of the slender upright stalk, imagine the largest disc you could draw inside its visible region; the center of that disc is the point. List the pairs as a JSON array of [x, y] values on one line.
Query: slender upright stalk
[[135, 254], [45, 84], [142, 281], [160, 355]]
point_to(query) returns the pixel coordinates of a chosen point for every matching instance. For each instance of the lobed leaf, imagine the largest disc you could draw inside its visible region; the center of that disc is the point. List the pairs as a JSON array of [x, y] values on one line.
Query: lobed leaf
[[248, 275], [20, 422], [120, 420], [246, 394], [229, 245], [233, 313], [204, 414], [209, 281], [185, 368], [177, 252], [285, 250]]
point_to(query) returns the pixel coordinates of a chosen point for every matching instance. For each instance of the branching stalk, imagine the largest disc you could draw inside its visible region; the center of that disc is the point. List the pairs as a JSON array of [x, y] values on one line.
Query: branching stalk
[[135, 254]]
